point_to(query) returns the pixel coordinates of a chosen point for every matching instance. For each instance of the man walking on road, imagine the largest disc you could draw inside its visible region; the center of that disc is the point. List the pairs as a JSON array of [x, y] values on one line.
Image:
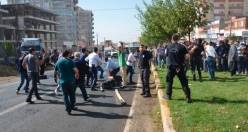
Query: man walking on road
[[85, 54], [68, 74], [31, 63], [122, 63], [53, 59], [23, 75], [93, 59], [144, 57], [81, 66], [177, 53]]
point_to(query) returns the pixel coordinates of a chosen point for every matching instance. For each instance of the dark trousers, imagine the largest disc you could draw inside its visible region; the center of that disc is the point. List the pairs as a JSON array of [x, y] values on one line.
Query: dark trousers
[[93, 71], [88, 76], [81, 85], [241, 64], [221, 64], [34, 77], [115, 71], [233, 67], [196, 62], [130, 70], [145, 77], [24, 76], [68, 89], [179, 71], [42, 69]]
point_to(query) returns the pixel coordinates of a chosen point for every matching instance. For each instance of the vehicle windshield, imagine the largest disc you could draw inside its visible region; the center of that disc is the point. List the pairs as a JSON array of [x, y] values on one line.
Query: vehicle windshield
[[113, 50], [25, 48]]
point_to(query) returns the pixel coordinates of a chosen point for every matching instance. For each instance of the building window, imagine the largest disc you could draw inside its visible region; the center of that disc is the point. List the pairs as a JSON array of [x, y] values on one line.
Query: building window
[[231, 5], [246, 4], [242, 23], [235, 24], [37, 0], [37, 5], [239, 4], [45, 1], [46, 7]]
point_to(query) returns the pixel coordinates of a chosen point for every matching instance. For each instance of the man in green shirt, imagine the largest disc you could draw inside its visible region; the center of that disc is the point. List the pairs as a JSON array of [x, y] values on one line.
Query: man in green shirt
[[122, 63], [68, 73]]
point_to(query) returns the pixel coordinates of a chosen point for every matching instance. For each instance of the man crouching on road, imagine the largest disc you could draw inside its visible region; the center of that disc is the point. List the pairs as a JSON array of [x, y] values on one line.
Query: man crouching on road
[[68, 73]]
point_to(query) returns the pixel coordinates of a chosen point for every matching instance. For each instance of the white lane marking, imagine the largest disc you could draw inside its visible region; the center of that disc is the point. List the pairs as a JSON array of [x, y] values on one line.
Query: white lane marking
[[19, 105], [130, 122], [19, 81]]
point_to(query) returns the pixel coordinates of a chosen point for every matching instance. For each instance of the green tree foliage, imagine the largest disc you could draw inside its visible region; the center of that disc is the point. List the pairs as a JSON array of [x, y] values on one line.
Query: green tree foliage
[[163, 18], [232, 37], [8, 48]]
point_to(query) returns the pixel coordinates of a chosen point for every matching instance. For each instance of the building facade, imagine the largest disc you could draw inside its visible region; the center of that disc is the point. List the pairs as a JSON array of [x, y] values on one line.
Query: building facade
[[66, 17], [28, 21], [85, 22]]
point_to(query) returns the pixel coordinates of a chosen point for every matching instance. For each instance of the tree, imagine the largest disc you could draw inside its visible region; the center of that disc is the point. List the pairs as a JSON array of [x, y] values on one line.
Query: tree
[[8, 48], [163, 18], [232, 37]]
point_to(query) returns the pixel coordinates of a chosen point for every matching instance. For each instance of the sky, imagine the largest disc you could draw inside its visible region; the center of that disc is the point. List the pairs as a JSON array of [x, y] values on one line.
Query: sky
[[111, 24]]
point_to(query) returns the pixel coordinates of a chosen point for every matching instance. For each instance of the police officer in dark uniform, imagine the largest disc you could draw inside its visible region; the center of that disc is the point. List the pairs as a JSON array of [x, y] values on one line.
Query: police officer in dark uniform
[[144, 57], [177, 53], [196, 59]]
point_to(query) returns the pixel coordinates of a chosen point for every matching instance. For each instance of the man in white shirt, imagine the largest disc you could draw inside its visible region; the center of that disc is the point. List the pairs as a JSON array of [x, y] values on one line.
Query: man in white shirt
[[131, 60], [93, 59], [211, 56]]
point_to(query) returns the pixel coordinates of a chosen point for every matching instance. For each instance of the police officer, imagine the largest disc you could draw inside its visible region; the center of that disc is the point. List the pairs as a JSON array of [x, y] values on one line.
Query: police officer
[[144, 57], [196, 59], [177, 53]]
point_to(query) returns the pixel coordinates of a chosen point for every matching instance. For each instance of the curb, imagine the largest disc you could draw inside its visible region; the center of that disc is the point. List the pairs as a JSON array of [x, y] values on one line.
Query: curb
[[165, 111], [123, 102]]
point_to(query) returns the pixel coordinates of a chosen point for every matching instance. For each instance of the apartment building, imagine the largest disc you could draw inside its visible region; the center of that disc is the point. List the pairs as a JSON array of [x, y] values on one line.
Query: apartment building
[[84, 26], [2, 27], [65, 9]]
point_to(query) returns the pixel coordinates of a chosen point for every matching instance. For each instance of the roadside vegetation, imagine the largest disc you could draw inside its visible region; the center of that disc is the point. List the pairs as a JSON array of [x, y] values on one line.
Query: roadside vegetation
[[219, 105]]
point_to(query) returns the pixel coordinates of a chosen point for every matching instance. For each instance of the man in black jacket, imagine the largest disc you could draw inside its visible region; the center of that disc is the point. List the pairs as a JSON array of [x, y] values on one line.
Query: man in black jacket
[[23, 75]]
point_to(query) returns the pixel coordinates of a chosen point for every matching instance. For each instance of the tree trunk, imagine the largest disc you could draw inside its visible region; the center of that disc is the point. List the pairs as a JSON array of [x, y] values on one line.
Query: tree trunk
[[189, 36]]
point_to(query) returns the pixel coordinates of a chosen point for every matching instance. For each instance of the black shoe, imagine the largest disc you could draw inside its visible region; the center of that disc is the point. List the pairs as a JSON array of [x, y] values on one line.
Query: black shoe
[[142, 93], [55, 81], [101, 77], [189, 100], [167, 97], [27, 91], [74, 108], [39, 98], [132, 83], [93, 89], [30, 101], [147, 95], [68, 113], [88, 99], [194, 79]]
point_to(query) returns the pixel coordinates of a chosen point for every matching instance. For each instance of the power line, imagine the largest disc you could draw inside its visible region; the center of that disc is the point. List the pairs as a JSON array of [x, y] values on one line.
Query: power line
[[117, 9]]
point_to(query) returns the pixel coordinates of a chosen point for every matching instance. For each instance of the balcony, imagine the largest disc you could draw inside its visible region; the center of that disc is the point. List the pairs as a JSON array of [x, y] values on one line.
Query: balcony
[[236, 0], [236, 7], [219, 7], [222, 1], [92, 23], [219, 14]]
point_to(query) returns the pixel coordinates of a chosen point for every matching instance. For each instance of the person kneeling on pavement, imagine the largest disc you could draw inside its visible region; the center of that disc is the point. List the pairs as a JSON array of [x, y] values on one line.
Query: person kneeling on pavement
[[113, 69]]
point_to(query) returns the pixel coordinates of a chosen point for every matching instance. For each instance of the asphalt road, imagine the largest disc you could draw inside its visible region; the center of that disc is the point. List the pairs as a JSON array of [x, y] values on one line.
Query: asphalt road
[[103, 114]]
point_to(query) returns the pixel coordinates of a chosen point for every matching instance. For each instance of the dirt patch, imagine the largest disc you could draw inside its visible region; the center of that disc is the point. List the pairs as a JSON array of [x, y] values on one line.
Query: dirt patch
[[8, 73]]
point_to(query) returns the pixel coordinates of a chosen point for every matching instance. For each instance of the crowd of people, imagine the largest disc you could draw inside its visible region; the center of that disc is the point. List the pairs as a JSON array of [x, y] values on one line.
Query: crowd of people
[[77, 69]]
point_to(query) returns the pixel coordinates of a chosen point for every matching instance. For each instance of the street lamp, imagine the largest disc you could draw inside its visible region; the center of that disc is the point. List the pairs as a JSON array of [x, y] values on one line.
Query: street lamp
[[229, 13]]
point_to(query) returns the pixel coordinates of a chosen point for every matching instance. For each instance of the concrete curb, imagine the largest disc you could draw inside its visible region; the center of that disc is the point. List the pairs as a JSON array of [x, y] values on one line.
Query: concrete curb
[[123, 102], [165, 111]]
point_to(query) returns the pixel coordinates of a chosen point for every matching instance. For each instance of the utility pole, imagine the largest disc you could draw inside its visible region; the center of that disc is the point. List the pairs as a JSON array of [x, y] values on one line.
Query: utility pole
[[230, 23], [97, 39]]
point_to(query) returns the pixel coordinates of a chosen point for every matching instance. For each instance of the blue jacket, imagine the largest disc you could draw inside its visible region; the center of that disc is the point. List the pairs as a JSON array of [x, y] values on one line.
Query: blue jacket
[[83, 56], [221, 50], [81, 66]]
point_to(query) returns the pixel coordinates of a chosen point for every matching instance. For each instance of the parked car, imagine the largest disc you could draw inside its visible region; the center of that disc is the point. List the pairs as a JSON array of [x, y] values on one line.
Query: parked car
[[113, 53]]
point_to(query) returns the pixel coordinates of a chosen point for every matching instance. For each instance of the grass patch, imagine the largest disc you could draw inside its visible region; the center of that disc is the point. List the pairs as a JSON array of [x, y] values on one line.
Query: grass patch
[[219, 104]]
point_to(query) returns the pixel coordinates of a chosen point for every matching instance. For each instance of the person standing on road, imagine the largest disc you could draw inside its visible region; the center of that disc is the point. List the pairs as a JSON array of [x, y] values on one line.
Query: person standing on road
[[122, 63], [23, 75], [177, 53], [31, 63], [99, 68], [131, 60], [81, 66], [233, 58], [144, 57], [53, 59], [84, 54], [93, 58], [68, 73]]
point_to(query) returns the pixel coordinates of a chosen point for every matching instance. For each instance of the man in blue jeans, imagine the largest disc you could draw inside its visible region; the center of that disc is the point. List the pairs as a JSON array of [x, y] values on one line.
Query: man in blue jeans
[[93, 59], [68, 73], [23, 75], [161, 55], [31, 63]]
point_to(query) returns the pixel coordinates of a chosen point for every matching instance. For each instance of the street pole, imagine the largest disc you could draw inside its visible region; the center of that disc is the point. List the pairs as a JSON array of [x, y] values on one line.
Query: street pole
[[230, 23], [97, 39]]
